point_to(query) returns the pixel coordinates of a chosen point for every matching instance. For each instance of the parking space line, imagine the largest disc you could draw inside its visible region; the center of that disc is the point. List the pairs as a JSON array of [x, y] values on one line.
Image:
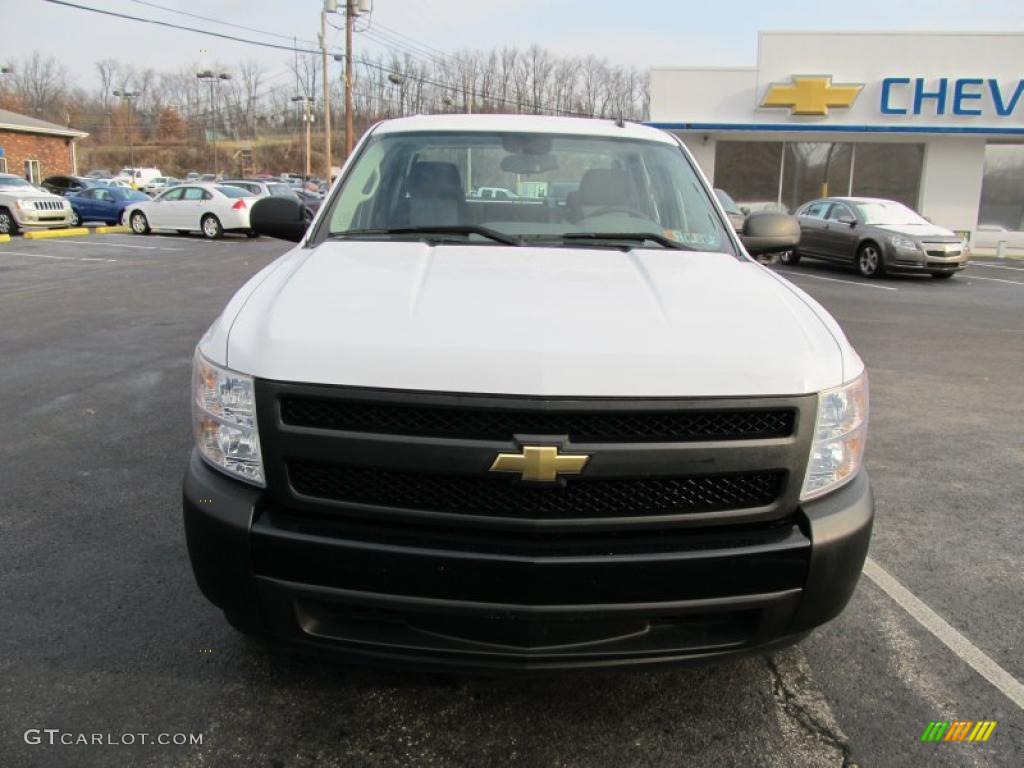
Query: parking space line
[[55, 258], [967, 651], [115, 245], [997, 266], [836, 280], [997, 280]]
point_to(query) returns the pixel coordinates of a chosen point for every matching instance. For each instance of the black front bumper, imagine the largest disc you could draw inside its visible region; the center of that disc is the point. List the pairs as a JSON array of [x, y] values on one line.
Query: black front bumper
[[703, 594]]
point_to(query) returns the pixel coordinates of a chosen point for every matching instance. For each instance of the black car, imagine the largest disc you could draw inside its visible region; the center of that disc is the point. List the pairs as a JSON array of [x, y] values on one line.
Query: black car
[[66, 185], [311, 202], [876, 236]]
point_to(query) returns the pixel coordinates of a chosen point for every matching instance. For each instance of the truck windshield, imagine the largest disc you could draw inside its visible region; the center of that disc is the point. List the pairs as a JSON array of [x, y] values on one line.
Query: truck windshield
[[527, 188]]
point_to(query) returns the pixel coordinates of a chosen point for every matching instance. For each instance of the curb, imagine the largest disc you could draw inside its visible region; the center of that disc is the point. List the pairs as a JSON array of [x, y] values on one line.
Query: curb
[[115, 230], [5, 238], [47, 233]]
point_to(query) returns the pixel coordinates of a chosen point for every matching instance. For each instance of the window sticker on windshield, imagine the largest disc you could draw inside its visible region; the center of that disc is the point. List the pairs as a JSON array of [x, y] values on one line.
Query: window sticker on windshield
[[692, 238]]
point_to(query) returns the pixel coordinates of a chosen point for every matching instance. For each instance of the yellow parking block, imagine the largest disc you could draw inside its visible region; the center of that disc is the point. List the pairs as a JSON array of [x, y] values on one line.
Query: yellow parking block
[[5, 238], [42, 234], [111, 230]]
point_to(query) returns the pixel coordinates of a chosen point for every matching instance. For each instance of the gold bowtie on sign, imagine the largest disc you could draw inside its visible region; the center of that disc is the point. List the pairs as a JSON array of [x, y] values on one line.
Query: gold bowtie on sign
[[811, 95]]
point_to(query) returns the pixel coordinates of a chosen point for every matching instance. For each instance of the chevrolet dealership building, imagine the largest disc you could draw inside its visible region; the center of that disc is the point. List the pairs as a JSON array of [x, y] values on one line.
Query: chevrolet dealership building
[[935, 120]]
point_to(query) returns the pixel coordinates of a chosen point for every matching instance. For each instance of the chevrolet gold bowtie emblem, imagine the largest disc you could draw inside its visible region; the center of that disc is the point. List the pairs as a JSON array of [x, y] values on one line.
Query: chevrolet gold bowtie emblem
[[811, 95], [540, 463]]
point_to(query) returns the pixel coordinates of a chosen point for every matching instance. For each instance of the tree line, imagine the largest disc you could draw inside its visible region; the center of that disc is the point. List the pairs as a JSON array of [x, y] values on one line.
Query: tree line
[[175, 107]]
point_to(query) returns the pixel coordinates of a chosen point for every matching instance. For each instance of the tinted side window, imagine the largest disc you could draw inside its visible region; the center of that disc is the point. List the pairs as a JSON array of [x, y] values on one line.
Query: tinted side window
[[840, 211]]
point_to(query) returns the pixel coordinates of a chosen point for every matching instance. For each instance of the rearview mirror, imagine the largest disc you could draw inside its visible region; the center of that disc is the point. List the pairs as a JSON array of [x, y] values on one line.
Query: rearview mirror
[[528, 164], [279, 217], [769, 233]]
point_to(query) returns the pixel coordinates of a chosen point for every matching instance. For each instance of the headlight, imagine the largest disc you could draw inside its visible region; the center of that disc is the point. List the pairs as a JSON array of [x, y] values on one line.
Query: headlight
[[903, 243], [224, 420], [840, 432], [24, 205]]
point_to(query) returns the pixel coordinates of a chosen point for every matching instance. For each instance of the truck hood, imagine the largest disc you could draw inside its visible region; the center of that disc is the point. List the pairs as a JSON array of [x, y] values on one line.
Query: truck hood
[[531, 321]]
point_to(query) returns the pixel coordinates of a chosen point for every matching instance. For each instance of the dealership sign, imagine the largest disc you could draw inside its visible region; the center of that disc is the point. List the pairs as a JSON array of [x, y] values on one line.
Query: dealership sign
[[816, 95], [963, 96]]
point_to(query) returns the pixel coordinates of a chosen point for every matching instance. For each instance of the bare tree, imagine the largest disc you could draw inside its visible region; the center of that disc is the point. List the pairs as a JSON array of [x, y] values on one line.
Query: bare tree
[[41, 85]]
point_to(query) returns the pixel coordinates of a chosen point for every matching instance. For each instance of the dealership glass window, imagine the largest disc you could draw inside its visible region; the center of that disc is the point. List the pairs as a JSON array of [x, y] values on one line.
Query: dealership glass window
[[749, 171], [762, 175], [890, 171], [3, 165], [1002, 187], [808, 164]]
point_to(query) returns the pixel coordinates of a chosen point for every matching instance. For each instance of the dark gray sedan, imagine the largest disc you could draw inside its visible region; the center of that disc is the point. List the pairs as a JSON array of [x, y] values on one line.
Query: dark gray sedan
[[876, 236]]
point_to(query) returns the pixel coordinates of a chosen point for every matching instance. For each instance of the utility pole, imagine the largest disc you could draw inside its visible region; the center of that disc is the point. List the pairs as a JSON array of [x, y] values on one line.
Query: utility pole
[[214, 78], [127, 96], [350, 20], [307, 114], [327, 90]]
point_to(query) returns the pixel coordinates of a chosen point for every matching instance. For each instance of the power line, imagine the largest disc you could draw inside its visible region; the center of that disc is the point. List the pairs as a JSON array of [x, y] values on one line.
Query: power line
[[389, 70], [467, 91], [393, 45], [222, 23], [170, 25], [424, 46]]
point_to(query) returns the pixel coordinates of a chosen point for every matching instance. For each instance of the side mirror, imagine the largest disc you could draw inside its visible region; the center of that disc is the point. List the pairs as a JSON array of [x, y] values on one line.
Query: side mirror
[[279, 217], [847, 220], [769, 233]]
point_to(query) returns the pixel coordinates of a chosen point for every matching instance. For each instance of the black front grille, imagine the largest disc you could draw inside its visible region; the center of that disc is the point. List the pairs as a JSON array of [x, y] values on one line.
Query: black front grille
[[501, 424], [502, 497]]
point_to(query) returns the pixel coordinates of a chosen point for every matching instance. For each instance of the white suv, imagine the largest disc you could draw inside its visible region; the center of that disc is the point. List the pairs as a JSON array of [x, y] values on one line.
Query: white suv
[[25, 205], [496, 434]]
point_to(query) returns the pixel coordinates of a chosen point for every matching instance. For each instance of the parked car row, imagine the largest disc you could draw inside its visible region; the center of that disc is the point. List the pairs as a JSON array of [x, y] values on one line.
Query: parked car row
[[23, 204], [104, 204], [876, 236], [211, 209], [873, 235]]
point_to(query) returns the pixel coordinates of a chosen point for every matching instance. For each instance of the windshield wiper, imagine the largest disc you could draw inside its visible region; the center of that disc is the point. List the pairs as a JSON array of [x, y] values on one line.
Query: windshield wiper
[[458, 229], [639, 237]]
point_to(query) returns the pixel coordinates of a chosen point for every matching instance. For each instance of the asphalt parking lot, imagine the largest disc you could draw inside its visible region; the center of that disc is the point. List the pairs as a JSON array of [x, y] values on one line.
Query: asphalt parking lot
[[105, 631]]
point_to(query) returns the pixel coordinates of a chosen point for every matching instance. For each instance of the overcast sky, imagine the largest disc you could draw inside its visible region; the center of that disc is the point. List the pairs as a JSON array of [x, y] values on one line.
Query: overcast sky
[[636, 32]]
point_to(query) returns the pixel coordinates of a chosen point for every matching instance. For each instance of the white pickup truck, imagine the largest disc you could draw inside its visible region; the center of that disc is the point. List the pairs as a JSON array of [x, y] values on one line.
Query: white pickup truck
[[482, 435], [25, 205]]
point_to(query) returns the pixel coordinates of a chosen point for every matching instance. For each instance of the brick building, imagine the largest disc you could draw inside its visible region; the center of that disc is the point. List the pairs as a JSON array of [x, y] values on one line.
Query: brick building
[[35, 149]]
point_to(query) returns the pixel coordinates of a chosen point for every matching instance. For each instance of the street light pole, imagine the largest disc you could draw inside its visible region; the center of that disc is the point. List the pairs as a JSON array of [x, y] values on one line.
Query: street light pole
[[127, 96], [307, 115], [213, 78], [395, 79]]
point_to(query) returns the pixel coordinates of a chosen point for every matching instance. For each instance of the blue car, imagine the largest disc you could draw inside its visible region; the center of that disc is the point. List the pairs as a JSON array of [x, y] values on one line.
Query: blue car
[[104, 204]]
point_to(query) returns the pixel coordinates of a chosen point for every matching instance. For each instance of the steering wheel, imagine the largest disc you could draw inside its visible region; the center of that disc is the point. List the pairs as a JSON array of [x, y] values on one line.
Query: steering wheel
[[632, 212]]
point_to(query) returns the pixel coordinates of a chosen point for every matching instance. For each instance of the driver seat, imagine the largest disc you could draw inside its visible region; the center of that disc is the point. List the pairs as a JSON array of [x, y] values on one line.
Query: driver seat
[[435, 195], [601, 188]]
